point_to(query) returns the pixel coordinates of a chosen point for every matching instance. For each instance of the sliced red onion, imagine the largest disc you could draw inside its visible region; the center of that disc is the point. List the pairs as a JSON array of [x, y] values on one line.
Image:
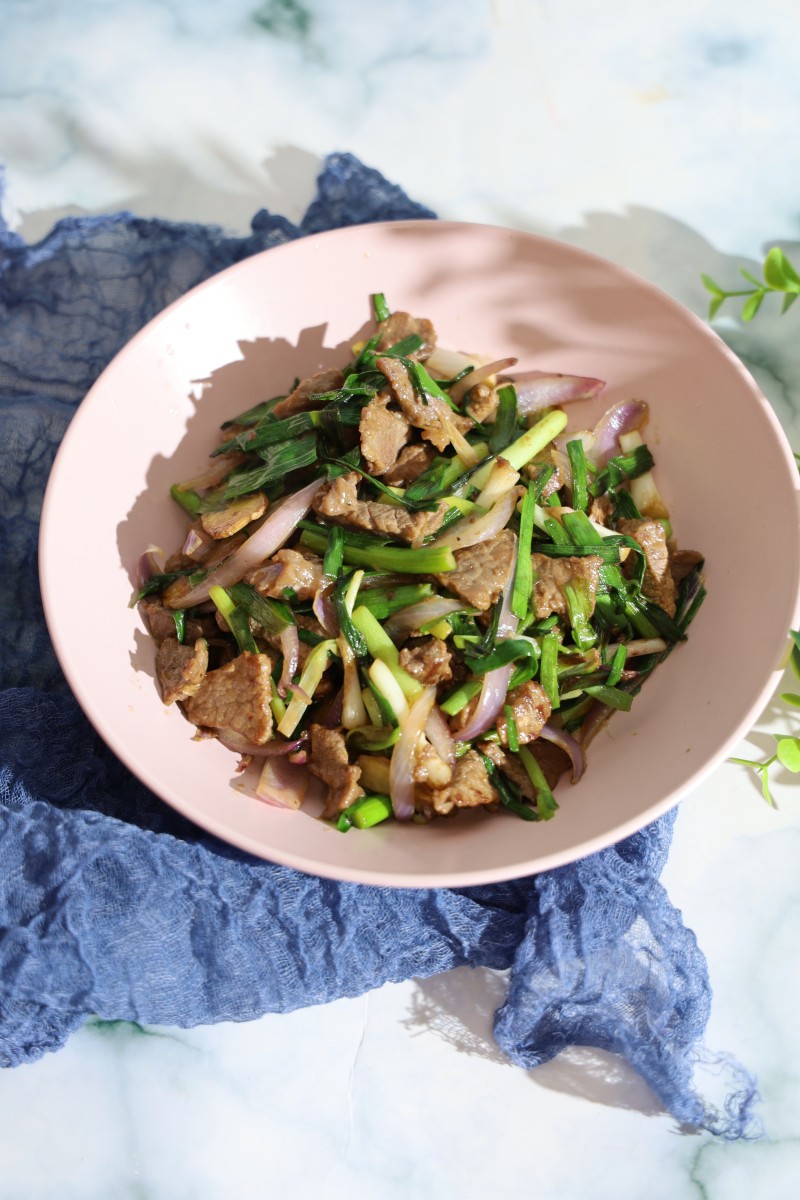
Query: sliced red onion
[[298, 758], [623, 417], [324, 611], [478, 375], [240, 745], [282, 784], [152, 562], [594, 721], [278, 527], [209, 478], [469, 531], [490, 701], [401, 768], [290, 647], [439, 736], [540, 389], [197, 544], [333, 717], [569, 745], [508, 622], [406, 620]]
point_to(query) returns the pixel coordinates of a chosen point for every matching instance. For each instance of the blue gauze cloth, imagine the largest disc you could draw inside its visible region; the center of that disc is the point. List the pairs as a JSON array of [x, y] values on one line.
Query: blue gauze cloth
[[111, 904]]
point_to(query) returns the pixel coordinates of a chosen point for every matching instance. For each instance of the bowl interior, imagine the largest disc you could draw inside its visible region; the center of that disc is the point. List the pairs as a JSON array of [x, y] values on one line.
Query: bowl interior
[[245, 335]]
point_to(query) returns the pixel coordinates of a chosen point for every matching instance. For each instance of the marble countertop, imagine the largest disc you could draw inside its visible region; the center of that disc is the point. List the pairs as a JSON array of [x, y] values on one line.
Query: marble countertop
[[656, 135]]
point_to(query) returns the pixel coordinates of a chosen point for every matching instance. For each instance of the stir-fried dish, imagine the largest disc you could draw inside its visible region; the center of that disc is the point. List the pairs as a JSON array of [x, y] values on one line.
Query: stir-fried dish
[[406, 579]]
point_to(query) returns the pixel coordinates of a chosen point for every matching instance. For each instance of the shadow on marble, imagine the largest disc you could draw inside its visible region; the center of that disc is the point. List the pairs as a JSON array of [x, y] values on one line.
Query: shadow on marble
[[458, 1007]]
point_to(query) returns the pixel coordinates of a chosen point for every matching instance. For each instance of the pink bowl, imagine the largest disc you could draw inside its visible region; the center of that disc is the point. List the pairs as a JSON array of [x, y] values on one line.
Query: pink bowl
[[243, 336]]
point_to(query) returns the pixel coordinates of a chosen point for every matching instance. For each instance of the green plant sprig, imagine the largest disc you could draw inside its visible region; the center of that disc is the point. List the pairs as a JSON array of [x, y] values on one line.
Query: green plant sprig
[[779, 276], [787, 749]]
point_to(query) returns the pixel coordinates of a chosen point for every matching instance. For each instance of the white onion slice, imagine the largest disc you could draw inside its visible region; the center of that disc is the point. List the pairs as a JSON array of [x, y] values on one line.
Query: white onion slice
[[569, 745], [478, 375], [401, 768], [278, 527], [282, 784], [406, 620], [447, 363], [290, 648], [439, 736], [472, 530], [540, 389]]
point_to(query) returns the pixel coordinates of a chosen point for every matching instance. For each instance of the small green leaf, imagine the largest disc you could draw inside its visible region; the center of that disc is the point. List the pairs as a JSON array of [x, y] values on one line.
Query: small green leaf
[[751, 278], [751, 306], [767, 794], [779, 272], [714, 288], [714, 306], [788, 301], [789, 753], [791, 698]]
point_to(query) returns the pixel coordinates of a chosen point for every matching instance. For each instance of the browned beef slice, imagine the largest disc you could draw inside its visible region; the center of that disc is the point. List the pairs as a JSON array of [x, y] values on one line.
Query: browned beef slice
[[383, 435], [426, 417], [301, 399], [400, 325], [428, 660], [469, 787], [682, 562], [339, 502], [180, 670], [161, 622], [658, 584], [553, 575], [236, 696], [329, 762], [552, 759], [411, 462], [482, 571], [429, 767], [481, 403], [234, 516], [301, 572], [600, 509], [511, 767], [531, 710]]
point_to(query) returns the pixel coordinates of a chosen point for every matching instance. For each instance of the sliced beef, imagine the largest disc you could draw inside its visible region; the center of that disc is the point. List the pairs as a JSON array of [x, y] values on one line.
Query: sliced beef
[[180, 669], [234, 516], [482, 571], [481, 403], [553, 575], [302, 572], [428, 417], [339, 502], [161, 622], [469, 788], [302, 398], [552, 759], [658, 584], [600, 509], [511, 767], [531, 711], [328, 760], [682, 562], [562, 473], [401, 325], [429, 660], [236, 696], [383, 434], [411, 462], [430, 768]]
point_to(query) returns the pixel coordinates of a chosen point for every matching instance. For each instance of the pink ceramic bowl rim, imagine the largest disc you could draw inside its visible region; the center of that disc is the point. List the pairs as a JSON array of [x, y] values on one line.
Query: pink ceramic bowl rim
[[575, 309]]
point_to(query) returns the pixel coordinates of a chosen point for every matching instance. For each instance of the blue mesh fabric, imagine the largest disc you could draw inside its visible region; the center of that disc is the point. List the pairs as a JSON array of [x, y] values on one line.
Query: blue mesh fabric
[[112, 904]]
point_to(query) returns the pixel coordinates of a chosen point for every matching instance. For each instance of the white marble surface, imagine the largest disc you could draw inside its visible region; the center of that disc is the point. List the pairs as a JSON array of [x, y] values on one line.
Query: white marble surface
[[660, 135]]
